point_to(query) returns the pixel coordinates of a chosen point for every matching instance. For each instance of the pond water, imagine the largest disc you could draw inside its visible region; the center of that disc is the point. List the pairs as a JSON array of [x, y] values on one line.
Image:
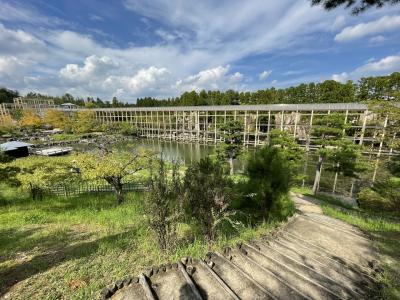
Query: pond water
[[187, 153]]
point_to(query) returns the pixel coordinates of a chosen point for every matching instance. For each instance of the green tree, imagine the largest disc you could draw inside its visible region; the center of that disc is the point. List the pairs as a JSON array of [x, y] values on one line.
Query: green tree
[[39, 174], [208, 193], [232, 132], [113, 167], [357, 6], [162, 203], [84, 121], [269, 175]]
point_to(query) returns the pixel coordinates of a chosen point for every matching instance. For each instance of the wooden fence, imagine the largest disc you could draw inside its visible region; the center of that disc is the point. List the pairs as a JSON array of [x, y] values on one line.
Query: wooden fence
[[86, 187]]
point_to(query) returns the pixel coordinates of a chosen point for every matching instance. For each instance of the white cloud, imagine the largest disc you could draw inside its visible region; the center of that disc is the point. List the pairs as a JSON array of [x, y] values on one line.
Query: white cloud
[[93, 67], [383, 66], [265, 74], [342, 77], [339, 22], [210, 79], [377, 39], [384, 24], [18, 41]]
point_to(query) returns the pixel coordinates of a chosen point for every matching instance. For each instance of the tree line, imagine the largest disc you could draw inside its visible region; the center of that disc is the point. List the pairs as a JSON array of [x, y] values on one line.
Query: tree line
[[329, 91]]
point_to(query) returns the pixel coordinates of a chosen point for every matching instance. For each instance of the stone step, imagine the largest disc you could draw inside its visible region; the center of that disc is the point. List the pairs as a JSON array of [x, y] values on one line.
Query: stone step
[[308, 287], [333, 269], [337, 242], [281, 289], [321, 251], [172, 284], [132, 291], [335, 226], [240, 283], [208, 282], [328, 278]]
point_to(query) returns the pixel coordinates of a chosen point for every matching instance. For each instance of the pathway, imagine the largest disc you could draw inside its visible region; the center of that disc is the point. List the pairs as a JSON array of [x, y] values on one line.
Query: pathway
[[311, 257]]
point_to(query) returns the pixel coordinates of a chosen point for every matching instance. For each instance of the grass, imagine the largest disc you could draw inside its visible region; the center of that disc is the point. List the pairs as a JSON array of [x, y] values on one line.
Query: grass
[[61, 248], [386, 236]]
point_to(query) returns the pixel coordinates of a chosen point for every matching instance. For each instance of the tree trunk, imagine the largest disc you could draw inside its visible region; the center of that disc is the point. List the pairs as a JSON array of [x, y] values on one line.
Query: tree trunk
[[117, 185], [317, 175], [231, 172]]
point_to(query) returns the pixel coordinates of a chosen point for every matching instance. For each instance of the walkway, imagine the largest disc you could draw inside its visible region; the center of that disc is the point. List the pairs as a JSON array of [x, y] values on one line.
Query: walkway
[[311, 257]]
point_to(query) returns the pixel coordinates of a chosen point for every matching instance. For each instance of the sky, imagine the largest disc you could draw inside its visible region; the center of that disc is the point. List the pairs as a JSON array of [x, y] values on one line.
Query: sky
[[161, 48]]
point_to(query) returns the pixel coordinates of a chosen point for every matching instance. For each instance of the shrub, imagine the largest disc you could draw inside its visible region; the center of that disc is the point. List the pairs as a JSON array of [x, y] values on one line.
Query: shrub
[[162, 204], [371, 200], [269, 177], [208, 193]]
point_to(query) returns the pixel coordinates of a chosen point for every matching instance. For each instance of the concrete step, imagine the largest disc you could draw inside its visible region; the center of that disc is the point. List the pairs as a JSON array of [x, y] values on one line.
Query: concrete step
[[333, 225], [339, 243], [328, 278], [333, 269], [208, 282], [281, 289], [308, 287], [335, 222], [317, 250], [172, 284], [132, 291], [240, 283]]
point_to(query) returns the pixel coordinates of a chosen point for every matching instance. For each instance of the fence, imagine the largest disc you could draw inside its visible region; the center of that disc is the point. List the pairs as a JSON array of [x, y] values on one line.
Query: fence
[[68, 190]]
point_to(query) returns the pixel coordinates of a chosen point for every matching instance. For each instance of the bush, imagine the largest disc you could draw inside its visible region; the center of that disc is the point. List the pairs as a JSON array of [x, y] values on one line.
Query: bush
[[269, 177], [371, 200], [208, 194]]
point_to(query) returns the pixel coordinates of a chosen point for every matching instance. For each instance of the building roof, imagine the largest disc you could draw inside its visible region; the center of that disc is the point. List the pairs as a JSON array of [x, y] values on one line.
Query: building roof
[[13, 145]]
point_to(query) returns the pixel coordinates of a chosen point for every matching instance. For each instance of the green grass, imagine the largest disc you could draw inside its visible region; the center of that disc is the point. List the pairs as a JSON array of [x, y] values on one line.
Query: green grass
[[386, 236], [61, 248]]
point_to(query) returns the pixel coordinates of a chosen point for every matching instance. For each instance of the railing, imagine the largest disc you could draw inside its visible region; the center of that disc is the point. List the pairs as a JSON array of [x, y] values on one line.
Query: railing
[[83, 188]]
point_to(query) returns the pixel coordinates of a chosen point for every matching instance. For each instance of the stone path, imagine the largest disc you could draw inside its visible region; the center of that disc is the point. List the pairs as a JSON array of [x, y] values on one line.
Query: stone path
[[311, 257]]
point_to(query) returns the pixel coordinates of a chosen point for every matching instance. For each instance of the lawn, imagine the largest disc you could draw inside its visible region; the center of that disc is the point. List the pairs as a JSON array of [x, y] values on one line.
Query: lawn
[[386, 236], [61, 248]]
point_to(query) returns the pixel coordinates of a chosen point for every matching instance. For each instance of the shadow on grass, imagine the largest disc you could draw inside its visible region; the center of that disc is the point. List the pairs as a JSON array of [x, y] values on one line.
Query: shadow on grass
[[53, 257]]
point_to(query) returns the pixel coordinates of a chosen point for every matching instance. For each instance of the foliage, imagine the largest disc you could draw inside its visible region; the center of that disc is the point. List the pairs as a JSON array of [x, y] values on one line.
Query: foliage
[[84, 121], [232, 132], [269, 176], [113, 166], [392, 111], [38, 174], [7, 124], [162, 204], [369, 199], [358, 6], [208, 193], [30, 119], [7, 95], [289, 148], [57, 119]]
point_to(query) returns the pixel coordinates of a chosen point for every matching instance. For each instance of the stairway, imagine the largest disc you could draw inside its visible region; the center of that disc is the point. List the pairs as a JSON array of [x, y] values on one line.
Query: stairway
[[311, 257]]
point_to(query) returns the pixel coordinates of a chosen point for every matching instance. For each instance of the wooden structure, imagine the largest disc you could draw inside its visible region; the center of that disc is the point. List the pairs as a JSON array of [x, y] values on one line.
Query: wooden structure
[[202, 123]]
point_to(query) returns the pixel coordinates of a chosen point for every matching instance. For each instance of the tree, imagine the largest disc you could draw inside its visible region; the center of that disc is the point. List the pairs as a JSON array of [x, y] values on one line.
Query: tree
[[208, 193], [289, 149], [358, 6], [7, 95], [113, 167], [162, 203], [232, 132], [269, 175], [55, 118], [328, 129], [39, 174], [30, 119], [84, 121]]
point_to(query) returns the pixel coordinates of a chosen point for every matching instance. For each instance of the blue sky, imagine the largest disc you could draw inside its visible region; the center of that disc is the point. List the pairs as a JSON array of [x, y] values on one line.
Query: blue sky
[[136, 48]]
